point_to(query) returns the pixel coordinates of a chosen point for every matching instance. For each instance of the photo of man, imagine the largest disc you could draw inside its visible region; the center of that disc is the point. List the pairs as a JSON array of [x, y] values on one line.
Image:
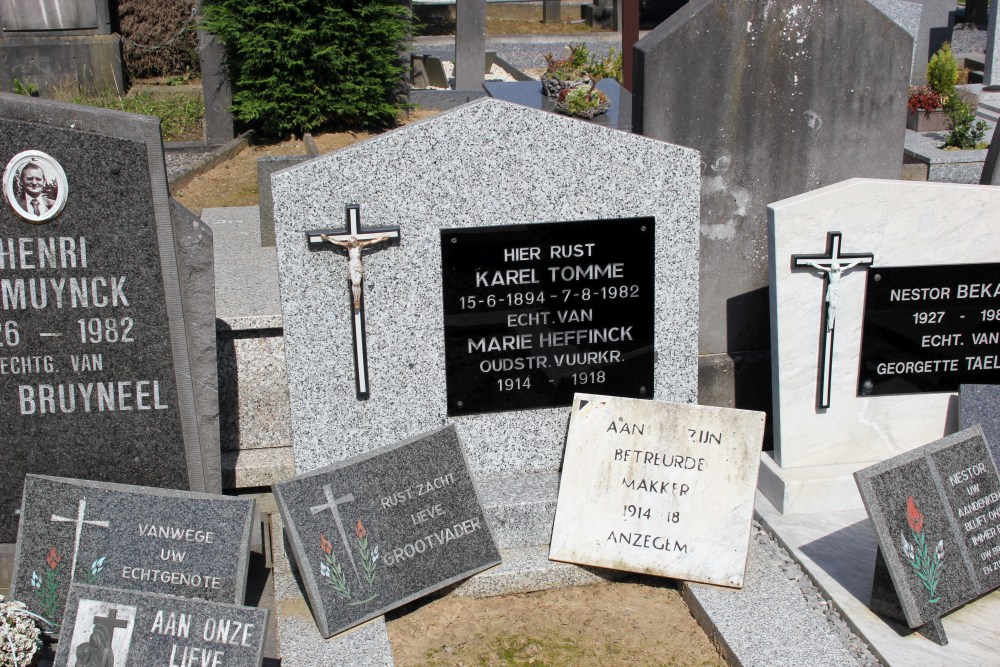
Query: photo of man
[[35, 186]]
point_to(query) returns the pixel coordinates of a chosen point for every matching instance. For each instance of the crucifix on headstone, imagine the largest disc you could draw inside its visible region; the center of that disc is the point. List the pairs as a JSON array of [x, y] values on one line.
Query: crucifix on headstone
[[354, 240], [332, 504], [79, 521], [832, 265]]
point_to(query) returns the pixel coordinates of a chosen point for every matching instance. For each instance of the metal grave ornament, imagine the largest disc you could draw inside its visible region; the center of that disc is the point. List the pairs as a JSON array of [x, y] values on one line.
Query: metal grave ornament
[[832, 265], [353, 240]]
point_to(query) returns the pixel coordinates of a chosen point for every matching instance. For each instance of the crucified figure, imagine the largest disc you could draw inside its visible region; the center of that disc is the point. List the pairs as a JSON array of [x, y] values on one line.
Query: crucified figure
[[355, 268]]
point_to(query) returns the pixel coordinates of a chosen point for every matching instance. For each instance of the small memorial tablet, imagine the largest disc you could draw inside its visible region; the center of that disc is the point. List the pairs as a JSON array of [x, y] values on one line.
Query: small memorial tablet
[[380, 529], [936, 513], [930, 329], [534, 313], [658, 488], [111, 627], [130, 537]]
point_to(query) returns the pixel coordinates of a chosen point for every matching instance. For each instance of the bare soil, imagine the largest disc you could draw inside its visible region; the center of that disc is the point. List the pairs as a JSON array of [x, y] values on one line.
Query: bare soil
[[643, 622]]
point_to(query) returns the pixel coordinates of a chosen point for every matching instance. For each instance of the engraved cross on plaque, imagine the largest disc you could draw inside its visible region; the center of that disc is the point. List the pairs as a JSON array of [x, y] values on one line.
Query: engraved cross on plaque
[[111, 622], [332, 505], [79, 521], [353, 239], [832, 265]]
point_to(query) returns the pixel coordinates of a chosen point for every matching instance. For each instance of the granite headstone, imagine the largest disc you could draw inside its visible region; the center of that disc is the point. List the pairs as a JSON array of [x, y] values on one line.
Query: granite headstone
[[128, 537], [493, 164], [111, 627], [979, 405], [817, 327], [991, 73], [936, 513], [658, 488], [991, 166], [779, 98], [378, 530], [97, 374]]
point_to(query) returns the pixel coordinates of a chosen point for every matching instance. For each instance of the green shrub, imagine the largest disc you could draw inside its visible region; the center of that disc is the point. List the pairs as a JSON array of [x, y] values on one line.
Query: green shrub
[[158, 37], [966, 132], [296, 65], [942, 73]]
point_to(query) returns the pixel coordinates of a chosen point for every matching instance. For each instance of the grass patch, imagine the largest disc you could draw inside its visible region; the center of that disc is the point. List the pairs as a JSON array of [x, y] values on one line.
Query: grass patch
[[180, 114]]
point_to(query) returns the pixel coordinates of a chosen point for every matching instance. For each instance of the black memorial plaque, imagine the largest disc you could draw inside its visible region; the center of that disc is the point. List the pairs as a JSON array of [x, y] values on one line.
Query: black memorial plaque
[[534, 313], [930, 329]]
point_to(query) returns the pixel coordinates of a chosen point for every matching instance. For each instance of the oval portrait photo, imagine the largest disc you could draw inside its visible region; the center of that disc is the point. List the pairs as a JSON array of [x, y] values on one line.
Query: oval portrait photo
[[35, 186]]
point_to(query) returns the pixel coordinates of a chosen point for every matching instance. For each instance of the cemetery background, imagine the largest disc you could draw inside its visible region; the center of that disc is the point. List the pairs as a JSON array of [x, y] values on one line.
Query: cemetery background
[[206, 186]]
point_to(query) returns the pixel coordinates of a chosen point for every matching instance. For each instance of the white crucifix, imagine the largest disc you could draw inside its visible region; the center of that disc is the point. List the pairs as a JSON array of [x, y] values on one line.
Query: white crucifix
[[79, 521], [832, 265], [332, 504], [353, 239]]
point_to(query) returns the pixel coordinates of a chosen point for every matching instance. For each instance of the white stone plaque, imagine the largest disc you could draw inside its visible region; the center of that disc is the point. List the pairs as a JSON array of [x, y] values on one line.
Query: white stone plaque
[[658, 488]]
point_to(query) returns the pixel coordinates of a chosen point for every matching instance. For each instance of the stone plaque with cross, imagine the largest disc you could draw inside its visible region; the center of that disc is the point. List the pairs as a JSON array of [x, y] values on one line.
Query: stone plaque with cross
[[112, 627], [157, 540], [380, 529]]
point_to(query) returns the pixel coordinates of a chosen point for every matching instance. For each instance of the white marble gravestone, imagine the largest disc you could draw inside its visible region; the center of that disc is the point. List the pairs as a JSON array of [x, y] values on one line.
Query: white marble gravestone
[[484, 164], [899, 224], [658, 488]]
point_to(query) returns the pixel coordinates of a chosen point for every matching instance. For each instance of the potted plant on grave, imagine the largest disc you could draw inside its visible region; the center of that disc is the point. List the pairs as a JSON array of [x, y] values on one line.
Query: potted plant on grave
[[965, 132], [567, 72], [582, 101], [20, 638], [926, 104]]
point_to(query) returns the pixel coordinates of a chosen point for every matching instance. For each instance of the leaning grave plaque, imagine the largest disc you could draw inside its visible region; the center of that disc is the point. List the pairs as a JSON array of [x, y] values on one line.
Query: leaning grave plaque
[[380, 529], [129, 537], [930, 328], [936, 513], [135, 629], [534, 313], [658, 488], [95, 377]]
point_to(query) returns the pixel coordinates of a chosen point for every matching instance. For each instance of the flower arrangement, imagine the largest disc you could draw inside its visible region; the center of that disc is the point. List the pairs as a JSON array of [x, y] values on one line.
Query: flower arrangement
[[582, 101], [923, 98], [21, 638], [926, 565]]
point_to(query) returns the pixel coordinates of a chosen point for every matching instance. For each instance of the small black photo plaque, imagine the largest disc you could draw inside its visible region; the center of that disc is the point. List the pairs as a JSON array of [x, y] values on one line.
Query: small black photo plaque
[[534, 313], [930, 329]]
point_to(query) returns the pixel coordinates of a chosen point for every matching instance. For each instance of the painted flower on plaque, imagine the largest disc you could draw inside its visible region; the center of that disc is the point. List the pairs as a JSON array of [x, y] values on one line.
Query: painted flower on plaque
[[927, 565], [331, 569]]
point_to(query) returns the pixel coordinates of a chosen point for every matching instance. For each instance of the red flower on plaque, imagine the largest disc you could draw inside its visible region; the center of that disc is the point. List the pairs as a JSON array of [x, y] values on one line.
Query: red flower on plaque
[[360, 530], [913, 516], [325, 544], [53, 558]]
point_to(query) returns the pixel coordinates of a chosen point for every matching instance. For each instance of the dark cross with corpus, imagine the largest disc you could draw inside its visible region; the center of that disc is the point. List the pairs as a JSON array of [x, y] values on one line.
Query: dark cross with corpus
[[332, 505], [111, 622], [832, 265], [354, 240], [79, 521]]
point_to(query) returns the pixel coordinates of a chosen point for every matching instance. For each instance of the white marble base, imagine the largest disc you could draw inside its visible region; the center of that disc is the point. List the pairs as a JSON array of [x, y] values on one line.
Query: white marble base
[[837, 550], [810, 488]]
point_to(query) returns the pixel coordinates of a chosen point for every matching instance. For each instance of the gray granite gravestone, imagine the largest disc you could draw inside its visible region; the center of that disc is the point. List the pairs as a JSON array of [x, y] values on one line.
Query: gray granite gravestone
[[780, 98], [50, 42], [129, 537], [979, 405], [937, 19], [98, 364], [493, 164], [109, 627], [991, 166], [378, 530], [470, 44], [991, 73], [936, 513]]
